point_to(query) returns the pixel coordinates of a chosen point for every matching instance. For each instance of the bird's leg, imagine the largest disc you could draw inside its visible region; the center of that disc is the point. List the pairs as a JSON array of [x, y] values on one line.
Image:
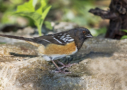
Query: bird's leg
[[56, 65], [65, 66], [60, 63], [59, 69]]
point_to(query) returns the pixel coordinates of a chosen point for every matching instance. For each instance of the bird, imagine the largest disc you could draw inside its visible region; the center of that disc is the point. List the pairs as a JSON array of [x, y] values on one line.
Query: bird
[[56, 46]]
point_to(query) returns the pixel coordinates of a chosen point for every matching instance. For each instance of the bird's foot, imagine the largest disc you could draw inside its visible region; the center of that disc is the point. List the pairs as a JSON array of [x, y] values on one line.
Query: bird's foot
[[67, 65], [64, 70]]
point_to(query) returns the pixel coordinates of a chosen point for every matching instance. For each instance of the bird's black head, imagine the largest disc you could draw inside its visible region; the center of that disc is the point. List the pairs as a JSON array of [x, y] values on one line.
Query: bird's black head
[[82, 33]]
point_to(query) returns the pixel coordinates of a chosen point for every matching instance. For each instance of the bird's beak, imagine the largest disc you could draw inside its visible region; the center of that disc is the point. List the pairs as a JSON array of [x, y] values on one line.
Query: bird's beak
[[89, 36]]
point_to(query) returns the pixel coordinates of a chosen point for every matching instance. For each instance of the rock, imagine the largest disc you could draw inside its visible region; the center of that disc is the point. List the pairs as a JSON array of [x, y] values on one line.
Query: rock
[[64, 26], [101, 65]]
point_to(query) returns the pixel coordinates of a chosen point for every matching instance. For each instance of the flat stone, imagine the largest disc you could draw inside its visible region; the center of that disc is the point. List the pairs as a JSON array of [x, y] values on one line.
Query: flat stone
[[101, 65]]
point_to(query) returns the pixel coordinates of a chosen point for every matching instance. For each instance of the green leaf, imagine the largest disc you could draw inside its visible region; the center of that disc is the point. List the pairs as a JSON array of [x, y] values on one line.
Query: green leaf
[[33, 15], [38, 16], [46, 12], [48, 25], [34, 3], [124, 31], [28, 6], [124, 37], [42, 7]]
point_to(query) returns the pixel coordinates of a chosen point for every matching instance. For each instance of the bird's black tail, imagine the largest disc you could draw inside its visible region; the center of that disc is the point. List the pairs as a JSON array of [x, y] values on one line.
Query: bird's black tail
[[17, 37]]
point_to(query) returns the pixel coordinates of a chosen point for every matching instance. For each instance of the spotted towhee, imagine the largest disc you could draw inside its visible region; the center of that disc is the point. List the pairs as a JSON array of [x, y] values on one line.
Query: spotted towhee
[[55, 46]]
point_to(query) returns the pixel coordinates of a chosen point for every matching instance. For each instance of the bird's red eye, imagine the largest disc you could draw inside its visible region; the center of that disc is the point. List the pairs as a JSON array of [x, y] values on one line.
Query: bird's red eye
[[83, 31]]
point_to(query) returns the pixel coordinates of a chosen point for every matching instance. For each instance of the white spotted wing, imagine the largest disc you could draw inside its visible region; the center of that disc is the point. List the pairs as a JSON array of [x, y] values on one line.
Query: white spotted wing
[[59, 38], [63, 38]]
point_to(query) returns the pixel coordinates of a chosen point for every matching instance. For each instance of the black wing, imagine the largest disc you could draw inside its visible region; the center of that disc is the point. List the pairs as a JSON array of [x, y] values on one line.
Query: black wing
[[59, 38]]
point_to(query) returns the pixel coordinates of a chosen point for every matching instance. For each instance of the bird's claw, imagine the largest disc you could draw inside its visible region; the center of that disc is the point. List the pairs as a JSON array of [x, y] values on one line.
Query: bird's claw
[[68, 65], [65, 71]]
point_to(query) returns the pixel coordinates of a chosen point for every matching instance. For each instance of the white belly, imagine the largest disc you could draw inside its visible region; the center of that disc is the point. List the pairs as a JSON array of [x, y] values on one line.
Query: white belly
[[53, 57]]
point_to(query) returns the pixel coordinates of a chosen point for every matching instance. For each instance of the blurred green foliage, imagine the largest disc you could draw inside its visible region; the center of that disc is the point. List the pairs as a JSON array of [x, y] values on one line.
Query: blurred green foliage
[[125, 36], [75, 11], [7, 7], [100, 31], [37, 15]]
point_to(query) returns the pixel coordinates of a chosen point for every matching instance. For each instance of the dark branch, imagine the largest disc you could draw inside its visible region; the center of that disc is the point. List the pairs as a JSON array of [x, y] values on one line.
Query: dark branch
[[103, 13]]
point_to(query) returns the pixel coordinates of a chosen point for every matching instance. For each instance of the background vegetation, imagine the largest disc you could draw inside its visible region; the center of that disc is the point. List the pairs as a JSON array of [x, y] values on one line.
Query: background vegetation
[[75, 11]]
